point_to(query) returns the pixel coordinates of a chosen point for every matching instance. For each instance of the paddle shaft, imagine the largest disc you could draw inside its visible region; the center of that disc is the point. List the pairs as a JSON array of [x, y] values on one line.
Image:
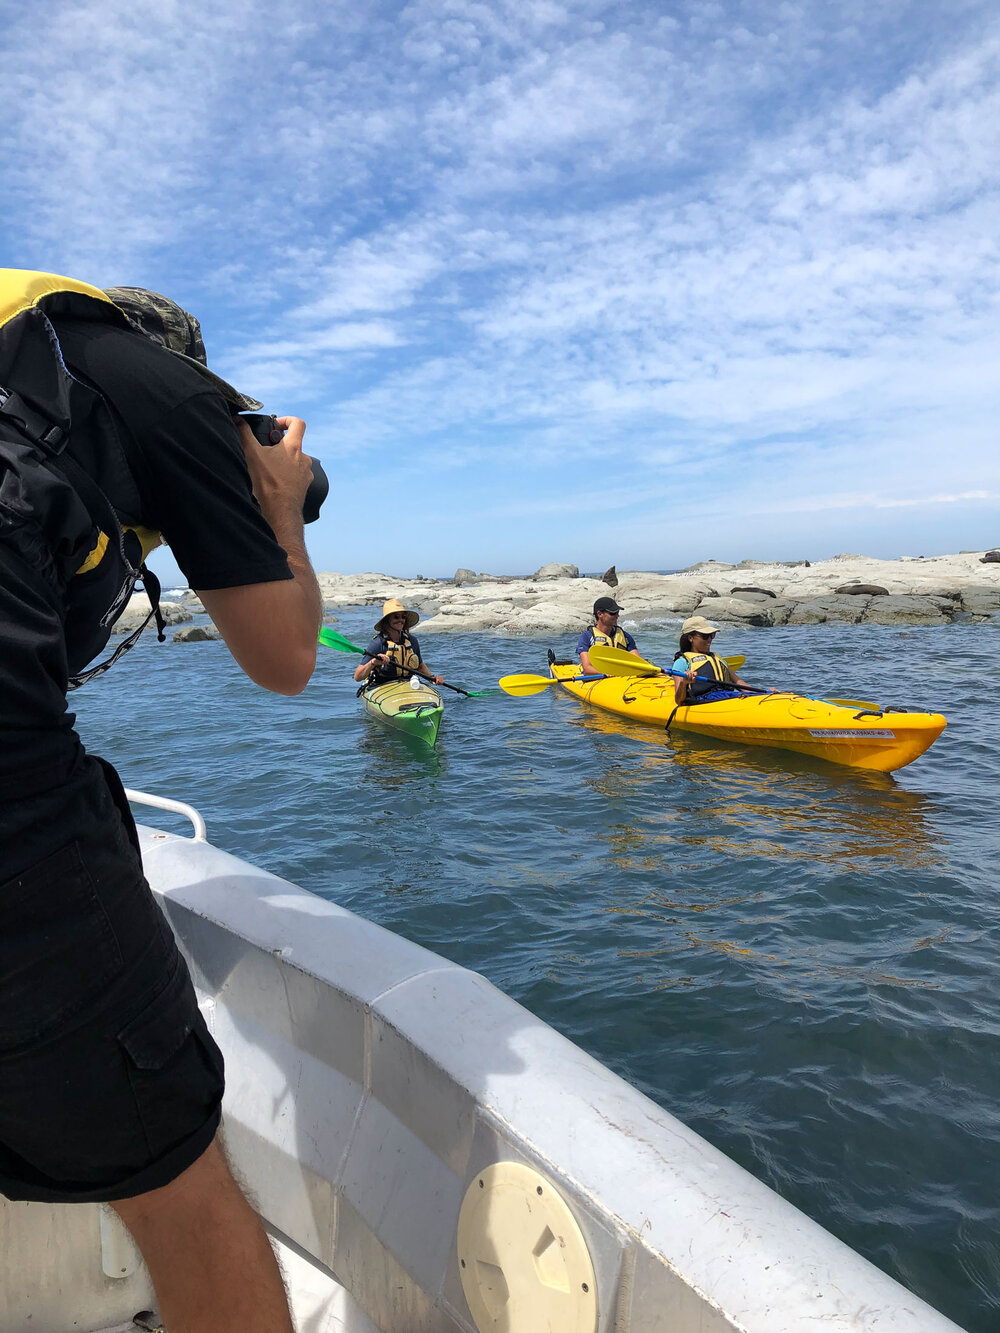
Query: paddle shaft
[[331, 639], [404, 675], [722, 684]]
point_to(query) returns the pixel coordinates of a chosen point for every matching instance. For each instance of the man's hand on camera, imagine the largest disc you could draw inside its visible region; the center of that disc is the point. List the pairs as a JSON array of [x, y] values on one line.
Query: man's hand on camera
[[280, 473], [271, 628]]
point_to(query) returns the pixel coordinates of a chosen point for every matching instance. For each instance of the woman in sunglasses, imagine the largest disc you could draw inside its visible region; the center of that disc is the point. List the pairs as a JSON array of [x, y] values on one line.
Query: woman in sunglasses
[[707, 676]]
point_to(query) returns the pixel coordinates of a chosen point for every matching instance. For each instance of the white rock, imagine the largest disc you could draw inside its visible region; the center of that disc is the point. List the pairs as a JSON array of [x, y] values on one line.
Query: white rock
[[556, 571], [563, 604], [138, 609]]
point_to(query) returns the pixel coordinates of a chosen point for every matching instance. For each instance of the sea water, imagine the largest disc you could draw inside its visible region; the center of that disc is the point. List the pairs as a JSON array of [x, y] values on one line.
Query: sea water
[[798, 960]]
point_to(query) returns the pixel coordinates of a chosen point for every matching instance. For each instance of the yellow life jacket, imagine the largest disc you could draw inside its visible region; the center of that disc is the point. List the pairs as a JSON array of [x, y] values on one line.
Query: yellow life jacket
[[402, 659], [711, 669], [78, 524], [616, 639]]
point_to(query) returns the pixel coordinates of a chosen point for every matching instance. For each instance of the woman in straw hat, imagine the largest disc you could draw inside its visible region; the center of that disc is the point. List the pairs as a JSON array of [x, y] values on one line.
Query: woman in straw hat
[[707, 676], [393, 653]]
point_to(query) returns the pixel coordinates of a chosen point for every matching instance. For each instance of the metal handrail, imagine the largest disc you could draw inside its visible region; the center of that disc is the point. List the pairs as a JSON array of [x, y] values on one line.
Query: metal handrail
[[178, 808]]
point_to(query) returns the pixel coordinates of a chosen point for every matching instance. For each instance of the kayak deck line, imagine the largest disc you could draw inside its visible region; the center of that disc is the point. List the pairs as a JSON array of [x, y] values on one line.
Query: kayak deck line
[[880, 740], [415, 710]]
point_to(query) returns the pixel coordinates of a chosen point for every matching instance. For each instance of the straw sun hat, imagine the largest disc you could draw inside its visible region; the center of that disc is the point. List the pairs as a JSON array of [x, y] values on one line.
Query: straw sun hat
[[393, 607]]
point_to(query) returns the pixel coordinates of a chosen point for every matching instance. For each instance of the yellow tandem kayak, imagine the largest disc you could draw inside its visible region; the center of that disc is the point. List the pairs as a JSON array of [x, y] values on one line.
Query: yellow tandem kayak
[[882, 740]]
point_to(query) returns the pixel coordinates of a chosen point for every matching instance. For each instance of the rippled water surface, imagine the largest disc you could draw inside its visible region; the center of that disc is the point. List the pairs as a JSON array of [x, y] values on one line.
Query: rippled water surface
[[798, 960]]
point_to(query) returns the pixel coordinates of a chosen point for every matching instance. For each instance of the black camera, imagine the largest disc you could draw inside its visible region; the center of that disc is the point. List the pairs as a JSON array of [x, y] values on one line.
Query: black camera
[[267, 431]]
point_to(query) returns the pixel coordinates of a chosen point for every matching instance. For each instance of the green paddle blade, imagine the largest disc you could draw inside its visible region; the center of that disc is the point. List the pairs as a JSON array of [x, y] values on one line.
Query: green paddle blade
[[334, 640], [521, 686]]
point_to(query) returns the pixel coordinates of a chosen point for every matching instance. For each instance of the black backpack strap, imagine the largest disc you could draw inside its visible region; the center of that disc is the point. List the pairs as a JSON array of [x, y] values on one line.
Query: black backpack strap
[[38, 427], [151, 585], [93, 672]]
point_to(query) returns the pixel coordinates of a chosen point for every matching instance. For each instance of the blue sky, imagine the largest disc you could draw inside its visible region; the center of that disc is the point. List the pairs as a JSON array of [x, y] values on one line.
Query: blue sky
[[595, 282]]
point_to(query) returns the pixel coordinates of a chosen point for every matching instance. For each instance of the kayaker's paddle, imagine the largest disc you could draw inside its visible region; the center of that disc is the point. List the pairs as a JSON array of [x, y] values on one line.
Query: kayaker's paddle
[[618, 662], [332, 639], [468, 694], [521, 686]]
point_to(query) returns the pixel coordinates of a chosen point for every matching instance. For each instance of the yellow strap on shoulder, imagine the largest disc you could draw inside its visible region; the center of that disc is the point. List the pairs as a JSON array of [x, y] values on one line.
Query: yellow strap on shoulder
[[96, 555], [21, 288], [149, 538]]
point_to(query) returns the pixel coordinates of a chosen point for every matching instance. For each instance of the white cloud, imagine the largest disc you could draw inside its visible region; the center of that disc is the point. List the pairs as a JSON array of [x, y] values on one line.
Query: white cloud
[[668, 247]]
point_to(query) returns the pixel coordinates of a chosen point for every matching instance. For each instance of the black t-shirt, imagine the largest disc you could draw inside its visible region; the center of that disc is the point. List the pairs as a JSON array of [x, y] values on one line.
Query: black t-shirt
[[193, 486], [184, 453]]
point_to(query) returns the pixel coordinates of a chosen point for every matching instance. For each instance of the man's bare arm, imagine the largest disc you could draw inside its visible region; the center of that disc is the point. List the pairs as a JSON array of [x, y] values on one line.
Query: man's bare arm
[[271, 628]]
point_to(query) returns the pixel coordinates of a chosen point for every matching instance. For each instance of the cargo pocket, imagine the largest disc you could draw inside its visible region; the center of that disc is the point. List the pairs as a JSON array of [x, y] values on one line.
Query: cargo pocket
[[58, 950], [174, 1066]]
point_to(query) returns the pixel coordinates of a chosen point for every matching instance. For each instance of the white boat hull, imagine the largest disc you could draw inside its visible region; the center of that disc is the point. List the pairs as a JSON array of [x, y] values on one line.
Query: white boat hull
[[372, 1084]]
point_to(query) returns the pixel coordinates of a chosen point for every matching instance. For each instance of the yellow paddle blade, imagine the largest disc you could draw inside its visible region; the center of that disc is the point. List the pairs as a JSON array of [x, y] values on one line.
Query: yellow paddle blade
[[521, 686], [617, 662], [854, 703]]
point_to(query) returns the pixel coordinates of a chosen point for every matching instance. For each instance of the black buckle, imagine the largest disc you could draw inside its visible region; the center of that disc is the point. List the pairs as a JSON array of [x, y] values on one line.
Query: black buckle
[[34, 424]]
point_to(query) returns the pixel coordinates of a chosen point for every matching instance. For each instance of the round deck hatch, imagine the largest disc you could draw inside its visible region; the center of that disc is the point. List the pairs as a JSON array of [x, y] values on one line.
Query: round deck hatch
[[524, 1263]]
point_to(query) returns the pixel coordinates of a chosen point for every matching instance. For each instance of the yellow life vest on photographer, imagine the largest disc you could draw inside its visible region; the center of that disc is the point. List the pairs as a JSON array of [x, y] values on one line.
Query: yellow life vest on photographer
[[69, 504], [616, 639]]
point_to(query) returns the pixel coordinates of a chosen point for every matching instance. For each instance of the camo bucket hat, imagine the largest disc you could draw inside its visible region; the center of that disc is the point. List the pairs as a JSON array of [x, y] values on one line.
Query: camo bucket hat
[[179, 332]]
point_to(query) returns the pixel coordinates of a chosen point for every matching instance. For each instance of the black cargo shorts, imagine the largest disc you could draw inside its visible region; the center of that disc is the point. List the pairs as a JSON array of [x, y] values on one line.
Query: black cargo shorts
[[110, 1084]]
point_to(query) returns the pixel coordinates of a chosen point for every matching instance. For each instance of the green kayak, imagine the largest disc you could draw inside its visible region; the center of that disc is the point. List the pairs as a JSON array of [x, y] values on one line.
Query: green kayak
[[414, 708]]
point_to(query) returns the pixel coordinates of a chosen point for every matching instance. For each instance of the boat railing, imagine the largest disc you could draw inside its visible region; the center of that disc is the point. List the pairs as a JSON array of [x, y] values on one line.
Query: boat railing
[[176, 807]]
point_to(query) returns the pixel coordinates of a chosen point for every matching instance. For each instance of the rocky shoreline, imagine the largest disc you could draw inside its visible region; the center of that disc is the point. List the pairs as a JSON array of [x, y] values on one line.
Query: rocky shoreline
[[846, 589]]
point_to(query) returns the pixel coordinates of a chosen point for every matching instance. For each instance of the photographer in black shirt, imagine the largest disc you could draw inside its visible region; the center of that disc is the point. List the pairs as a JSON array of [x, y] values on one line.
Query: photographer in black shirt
[[110, 1084]]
